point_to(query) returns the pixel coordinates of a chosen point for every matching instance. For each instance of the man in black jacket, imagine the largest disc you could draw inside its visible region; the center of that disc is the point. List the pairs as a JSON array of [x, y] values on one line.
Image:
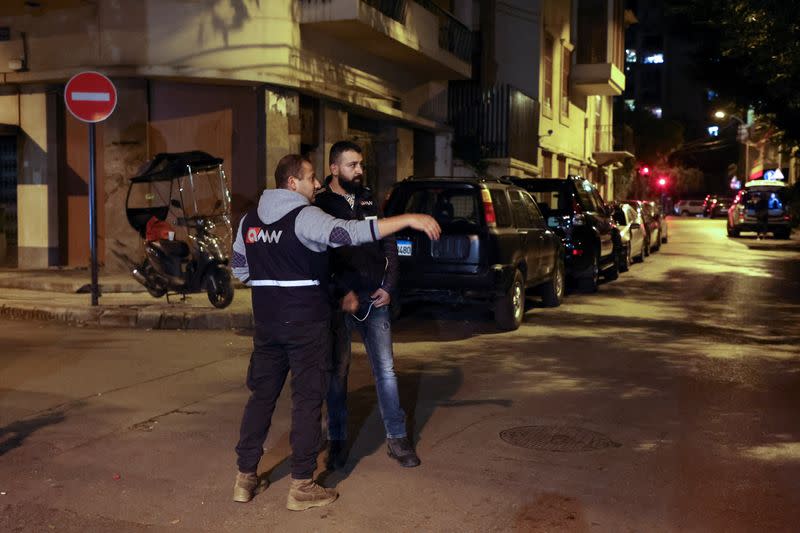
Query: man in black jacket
[[369, 273]]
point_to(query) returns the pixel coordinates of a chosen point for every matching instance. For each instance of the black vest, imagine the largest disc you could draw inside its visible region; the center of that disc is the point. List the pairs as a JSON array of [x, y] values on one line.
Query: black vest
[[289, 282]]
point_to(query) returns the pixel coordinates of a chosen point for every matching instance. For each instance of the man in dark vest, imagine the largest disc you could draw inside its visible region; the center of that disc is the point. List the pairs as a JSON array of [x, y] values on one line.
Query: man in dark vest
[[369, 271], [280, 251]]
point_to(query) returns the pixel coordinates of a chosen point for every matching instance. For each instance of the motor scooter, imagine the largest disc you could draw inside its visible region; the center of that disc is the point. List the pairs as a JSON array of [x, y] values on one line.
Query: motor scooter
[[180, 205]]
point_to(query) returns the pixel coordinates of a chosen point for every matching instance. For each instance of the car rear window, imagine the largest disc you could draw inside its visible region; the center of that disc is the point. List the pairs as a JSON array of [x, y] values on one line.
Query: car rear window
[[553, 198], [449, 206], [501, 209], [776, 198]]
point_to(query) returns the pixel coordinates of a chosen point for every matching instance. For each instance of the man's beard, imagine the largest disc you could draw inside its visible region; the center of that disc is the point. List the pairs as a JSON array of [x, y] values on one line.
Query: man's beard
[[352, 186]]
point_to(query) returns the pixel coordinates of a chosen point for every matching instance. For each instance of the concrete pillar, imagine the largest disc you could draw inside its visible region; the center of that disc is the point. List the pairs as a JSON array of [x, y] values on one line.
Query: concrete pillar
[[334, 128], [283, 128], [405, 154], [444, 154], [37, 182], [125, 150], [9, 109]]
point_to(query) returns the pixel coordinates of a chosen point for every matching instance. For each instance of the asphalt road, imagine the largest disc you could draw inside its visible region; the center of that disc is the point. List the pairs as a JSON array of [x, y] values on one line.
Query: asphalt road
[[666, 402]]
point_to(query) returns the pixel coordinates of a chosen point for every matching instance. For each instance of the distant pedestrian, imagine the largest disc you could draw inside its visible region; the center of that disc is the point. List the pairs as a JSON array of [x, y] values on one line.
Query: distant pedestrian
[[280, 251], [762, 216]]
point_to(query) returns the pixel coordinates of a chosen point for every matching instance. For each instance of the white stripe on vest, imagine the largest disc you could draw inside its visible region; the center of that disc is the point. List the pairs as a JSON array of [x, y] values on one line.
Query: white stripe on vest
[[280, 283]]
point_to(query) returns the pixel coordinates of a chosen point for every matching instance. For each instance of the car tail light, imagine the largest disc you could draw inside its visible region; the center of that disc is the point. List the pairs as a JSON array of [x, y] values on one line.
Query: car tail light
[[577, 251], [488, 208], [787, 218]]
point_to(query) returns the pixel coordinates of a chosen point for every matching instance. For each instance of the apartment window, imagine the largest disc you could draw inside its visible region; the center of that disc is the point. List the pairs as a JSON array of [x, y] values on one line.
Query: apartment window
[[592, 31], [566, 63], [562, 167], [547, 164], [548, 72], [653, 59], [655, 111]]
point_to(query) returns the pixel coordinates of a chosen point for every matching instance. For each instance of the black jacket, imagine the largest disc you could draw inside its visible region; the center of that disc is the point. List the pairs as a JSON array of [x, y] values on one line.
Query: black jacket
[[365, 268]]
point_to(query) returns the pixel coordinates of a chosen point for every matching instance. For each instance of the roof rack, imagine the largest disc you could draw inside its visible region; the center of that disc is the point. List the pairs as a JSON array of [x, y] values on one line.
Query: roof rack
[[501, 179]]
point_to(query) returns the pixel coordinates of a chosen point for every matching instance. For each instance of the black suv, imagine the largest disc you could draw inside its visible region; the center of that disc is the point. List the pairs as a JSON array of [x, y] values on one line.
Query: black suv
[[494, 245], [574, 209]]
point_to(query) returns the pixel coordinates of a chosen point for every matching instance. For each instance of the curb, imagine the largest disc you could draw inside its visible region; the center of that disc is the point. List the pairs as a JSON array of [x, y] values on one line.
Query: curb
[[127, 317]]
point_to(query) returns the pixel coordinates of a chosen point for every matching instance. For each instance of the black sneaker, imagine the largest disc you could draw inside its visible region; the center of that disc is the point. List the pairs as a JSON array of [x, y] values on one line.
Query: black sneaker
[[402, 451], [337, 454]]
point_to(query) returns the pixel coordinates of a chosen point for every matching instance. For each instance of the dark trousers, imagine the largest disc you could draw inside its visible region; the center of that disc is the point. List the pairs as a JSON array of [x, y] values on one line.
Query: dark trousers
[[305, 349]]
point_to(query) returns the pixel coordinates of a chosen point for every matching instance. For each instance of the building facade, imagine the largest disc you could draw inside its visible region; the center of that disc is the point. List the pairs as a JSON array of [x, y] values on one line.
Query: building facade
[[560, 64], [246, 81]]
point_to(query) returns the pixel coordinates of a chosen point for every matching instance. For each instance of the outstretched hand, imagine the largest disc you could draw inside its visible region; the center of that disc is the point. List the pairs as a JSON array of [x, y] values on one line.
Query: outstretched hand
[[425, 223]]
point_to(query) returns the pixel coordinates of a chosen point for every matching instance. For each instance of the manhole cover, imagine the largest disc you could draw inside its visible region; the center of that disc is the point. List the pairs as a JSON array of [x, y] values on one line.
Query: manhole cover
[[557, 439]]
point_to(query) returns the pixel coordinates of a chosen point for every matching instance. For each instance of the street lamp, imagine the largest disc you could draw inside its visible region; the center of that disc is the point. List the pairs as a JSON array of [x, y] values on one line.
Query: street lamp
[[742, 134]]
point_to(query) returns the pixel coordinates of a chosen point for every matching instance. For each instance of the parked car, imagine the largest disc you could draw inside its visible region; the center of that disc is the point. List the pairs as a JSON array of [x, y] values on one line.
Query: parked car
[[651, 224], [687, 208], [574, 209], [708, 203], [719, 206], [663, 225], [494, 245], [742, 214], [631, 233]]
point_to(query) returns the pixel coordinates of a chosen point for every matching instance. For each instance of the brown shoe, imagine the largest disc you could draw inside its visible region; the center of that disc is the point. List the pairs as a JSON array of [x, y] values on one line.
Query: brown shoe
[[305, 494], [245, 487]]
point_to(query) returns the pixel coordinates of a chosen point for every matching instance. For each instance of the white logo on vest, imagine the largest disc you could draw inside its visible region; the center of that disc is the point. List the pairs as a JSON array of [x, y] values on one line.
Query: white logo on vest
[[258, 234]]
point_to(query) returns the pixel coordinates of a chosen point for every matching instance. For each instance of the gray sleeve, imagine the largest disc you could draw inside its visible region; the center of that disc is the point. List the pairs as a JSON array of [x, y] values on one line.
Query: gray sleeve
[[239, 265], [317, 230]]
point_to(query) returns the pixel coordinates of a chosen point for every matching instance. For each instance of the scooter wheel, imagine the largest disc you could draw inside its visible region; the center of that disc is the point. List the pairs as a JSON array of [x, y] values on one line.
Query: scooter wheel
[[219, 288], [156, 292]]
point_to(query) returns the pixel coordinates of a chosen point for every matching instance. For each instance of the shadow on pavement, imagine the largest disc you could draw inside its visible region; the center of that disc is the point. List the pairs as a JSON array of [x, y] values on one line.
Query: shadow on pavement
[[14, 434]]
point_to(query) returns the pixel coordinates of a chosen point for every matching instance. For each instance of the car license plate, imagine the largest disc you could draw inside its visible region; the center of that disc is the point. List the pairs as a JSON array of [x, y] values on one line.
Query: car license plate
[[404, 248]]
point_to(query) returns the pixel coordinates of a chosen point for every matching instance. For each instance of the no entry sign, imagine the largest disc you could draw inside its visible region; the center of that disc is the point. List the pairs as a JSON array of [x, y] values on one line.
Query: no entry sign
[[90, 97]]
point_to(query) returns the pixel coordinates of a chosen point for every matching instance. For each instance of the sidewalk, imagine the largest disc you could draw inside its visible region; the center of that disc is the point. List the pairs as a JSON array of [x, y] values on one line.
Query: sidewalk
[[64, 295]]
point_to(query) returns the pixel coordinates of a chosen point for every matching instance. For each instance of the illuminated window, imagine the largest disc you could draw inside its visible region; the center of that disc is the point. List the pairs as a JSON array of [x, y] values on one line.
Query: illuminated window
[[630, 55], [656, 111], [713, 131], [548, 71], [630, 105], [653, 59]]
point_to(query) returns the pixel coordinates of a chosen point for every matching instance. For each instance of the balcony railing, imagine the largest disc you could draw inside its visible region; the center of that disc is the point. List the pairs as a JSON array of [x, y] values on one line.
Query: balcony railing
[[454, 36], [395, 9], [496, 122]]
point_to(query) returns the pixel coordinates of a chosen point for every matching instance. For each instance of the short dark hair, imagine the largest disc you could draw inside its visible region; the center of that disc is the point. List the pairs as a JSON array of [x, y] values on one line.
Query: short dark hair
[[341, 147], [289, 165]]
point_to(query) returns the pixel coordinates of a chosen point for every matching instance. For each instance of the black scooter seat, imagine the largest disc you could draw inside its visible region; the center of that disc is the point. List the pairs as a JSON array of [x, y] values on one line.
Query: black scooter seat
[[171, 248]]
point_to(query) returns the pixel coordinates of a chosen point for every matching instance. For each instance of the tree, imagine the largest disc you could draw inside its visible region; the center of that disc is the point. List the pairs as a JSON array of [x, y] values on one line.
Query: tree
[[749, 52], [654, 138]]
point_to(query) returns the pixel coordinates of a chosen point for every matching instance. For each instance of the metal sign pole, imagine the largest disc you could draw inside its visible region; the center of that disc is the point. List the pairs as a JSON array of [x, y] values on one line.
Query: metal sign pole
[[93, 216]]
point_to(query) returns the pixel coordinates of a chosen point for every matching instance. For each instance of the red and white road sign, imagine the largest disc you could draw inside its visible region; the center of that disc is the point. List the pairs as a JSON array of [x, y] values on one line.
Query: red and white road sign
[[90, 96]]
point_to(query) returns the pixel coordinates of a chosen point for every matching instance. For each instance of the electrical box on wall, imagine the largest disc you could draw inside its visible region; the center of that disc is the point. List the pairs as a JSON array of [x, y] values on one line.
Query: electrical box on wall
[[12, 50]]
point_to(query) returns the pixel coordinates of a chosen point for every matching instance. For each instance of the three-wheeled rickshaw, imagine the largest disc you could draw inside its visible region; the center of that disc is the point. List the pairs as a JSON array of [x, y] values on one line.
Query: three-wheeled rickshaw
[[180, 205]]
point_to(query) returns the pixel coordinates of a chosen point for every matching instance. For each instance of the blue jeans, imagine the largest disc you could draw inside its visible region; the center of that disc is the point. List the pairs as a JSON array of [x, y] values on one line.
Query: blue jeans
[[376, 332]]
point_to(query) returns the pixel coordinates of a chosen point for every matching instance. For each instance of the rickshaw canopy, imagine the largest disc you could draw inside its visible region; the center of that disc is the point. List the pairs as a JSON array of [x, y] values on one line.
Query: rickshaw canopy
[[169, 166]]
